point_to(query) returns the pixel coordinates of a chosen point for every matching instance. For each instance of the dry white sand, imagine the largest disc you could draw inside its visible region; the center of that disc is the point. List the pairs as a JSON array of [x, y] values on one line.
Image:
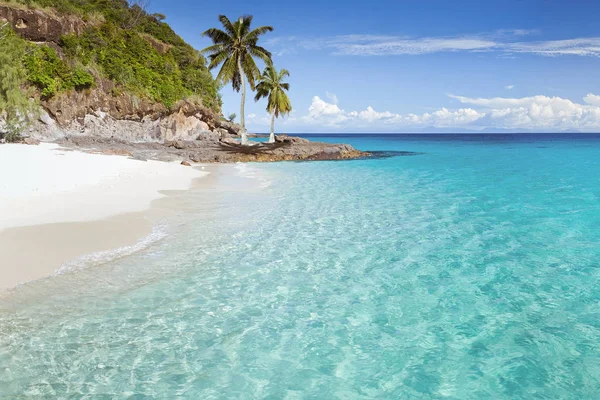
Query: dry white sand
[[57, 204], [45, 184]]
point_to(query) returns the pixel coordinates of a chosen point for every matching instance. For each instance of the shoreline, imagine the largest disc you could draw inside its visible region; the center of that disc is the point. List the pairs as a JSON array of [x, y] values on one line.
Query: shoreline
[[66, 248], [49, 222]]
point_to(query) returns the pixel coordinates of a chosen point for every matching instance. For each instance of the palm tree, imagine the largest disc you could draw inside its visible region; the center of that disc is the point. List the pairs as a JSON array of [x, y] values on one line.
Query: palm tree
[[271, 85], [235, 47]]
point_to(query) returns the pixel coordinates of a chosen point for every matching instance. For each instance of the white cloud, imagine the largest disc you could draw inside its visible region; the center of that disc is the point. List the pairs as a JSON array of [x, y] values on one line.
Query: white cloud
[[592, 99], [538, 113], [577, 47], [534, 113], [371, 115], [509, 87], [385, 45], [505, 43], [321, 112]]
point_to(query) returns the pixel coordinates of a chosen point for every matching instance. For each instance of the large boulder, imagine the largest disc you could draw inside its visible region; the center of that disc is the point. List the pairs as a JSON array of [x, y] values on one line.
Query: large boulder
[[231, 128], [290, 139], [208, 136]]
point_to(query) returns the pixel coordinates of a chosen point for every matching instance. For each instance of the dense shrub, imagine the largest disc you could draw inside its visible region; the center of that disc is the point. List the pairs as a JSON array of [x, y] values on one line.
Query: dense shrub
[[51, 74], [118, 48], [15, 107]]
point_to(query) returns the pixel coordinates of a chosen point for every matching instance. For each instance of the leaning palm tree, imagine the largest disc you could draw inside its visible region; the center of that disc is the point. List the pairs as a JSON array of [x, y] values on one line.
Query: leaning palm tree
[[235, 47], [272, 87]]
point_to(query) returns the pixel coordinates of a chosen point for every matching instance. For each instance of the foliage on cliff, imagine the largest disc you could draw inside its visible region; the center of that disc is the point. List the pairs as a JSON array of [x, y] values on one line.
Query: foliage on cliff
[[136, 50], [14, 103]]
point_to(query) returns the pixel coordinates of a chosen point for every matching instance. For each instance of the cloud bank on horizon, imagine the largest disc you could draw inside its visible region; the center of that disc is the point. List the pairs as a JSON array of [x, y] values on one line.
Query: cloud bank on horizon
[[535, 113]]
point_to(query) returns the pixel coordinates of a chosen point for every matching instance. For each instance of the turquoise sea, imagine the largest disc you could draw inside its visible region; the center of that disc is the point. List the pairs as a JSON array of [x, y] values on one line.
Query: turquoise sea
[[469, 270]]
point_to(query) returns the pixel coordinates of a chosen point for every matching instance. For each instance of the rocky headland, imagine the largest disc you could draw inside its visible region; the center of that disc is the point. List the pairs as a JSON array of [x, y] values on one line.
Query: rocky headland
[[179, 118], [98, 122]]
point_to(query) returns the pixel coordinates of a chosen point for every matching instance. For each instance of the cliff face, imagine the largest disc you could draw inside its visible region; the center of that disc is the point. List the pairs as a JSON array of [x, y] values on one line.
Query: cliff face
[[98, 114], [40, 26]]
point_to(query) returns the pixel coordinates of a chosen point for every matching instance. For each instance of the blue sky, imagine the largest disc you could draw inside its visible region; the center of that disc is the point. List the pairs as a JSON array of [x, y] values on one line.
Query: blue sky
[[420, 66]]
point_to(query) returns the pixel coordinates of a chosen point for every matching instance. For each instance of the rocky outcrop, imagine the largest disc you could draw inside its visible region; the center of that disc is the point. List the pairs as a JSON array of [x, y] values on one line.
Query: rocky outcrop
[[105, 120], [76, 105], [99, 113], [290, 139], [210, 151], [161, 47], [96, 120], [41, 26]]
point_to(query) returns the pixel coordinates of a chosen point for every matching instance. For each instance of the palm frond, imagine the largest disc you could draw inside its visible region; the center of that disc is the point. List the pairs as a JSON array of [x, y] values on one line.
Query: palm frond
[[215, 48], [245, 23], [262, 90], [229, 73], [229, 28], [217, 58], [217, 36], [261, 30], [261, 53]]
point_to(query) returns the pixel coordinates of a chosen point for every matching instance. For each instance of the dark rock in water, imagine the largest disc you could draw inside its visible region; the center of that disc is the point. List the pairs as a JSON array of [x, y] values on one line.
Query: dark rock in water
[[389, 154], [326, 154], [290, 139]]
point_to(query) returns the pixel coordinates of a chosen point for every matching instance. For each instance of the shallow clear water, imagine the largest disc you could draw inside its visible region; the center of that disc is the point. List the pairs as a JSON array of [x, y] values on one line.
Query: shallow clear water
[[470, 271]]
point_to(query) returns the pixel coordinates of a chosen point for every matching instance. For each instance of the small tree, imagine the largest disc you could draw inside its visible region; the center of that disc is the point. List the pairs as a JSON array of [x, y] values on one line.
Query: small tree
[[14, 101], [235, 47], [231, 117], [137, 11], [273, 87]]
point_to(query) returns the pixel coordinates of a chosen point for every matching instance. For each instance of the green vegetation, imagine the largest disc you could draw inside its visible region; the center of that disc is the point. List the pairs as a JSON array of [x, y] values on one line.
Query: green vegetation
[[272, 87], [231, 117], [125, 44], [51, 75], [234, 48], [14, 102], [140, 54]]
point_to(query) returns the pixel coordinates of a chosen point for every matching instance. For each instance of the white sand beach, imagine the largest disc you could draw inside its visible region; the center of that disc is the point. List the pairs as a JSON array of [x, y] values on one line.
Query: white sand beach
[[57, 204]]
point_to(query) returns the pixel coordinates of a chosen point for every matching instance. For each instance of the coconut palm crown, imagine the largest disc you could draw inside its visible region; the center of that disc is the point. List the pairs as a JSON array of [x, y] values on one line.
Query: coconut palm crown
[[235, 47], [273, 87]]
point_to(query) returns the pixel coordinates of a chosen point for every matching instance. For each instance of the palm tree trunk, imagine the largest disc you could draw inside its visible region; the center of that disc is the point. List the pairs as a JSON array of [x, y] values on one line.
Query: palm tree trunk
[[272, 135], [242, 119]]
